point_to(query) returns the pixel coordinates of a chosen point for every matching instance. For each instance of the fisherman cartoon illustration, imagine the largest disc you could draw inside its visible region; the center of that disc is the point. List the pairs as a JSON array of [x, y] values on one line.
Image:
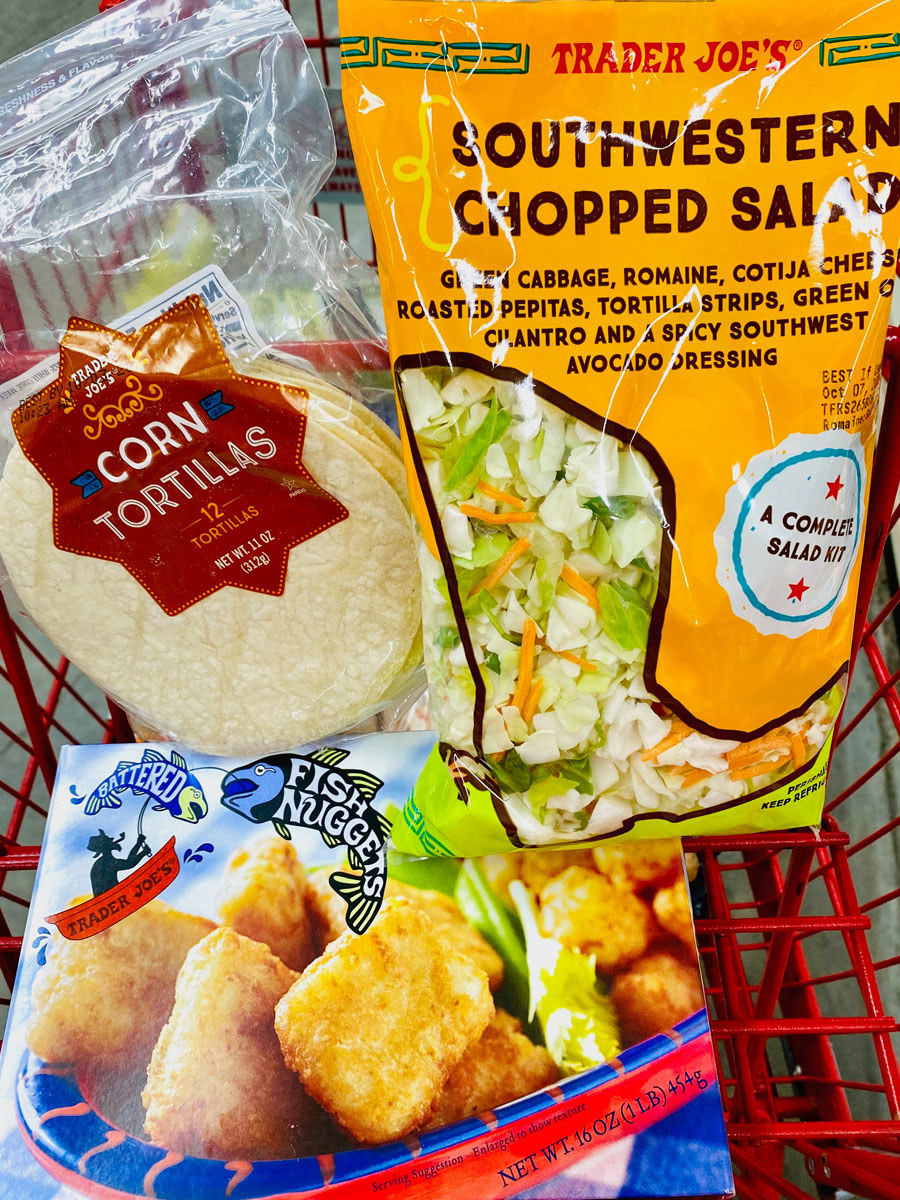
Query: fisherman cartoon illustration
[[310, 790], [165, 781], [107, 867]]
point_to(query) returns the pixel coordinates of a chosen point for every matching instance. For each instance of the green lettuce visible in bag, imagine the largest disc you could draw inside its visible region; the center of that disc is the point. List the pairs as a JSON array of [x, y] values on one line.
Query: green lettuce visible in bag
[[472, 449], [626, 614]]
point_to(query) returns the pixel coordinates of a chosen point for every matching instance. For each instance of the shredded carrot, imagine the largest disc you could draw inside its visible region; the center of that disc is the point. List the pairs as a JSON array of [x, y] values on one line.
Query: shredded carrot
[[746, 762], [518, 548], [526, 664], [574, 580], [573, 658], [532, 702], [490, 518], [798, 750], [760, 768], [500, 497], [695, 775], [499, 756], [749, 752], [678, 733]]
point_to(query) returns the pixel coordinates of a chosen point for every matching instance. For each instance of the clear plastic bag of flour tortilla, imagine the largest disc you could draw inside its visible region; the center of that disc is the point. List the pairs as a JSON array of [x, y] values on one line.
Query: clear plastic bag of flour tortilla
[[636, 291], [202, 505]]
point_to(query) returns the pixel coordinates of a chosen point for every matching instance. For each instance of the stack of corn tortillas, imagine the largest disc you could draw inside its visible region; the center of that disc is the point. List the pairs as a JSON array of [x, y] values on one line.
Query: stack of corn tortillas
[[239, 672]]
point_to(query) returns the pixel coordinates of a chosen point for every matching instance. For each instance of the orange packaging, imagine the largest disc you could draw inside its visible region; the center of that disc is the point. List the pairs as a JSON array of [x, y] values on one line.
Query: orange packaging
[[637, 261]]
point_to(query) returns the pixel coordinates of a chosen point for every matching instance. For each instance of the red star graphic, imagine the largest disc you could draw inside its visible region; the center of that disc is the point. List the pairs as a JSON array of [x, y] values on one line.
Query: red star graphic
[[834, 487], [797, 590]]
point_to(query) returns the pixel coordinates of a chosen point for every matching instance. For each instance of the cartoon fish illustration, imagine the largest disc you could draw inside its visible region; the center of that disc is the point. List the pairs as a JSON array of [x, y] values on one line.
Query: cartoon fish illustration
[[311, 790], [167, 781]]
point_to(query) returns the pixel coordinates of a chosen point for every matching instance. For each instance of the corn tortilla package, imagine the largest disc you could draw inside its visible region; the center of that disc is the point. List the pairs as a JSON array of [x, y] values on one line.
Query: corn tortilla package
[[637, 261], [200, 505], [274, 1003]]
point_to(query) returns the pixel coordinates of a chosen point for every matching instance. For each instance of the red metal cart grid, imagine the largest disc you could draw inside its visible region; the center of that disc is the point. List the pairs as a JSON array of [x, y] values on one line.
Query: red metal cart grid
[[808, 1067]]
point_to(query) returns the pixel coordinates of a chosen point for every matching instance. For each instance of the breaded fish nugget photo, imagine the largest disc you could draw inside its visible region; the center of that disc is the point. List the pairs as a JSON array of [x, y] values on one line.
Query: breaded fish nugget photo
[[634, 865], [263, 897], [328, 916], [502, 1066], [111, 994], [453, 929], [538, 867], [217, 1085], [659, 990], [587, 912], [672, 908], [375, 1026]]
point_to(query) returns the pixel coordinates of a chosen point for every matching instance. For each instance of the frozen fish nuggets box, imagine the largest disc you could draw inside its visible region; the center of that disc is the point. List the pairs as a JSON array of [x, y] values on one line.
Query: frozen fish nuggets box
[[232, 986]]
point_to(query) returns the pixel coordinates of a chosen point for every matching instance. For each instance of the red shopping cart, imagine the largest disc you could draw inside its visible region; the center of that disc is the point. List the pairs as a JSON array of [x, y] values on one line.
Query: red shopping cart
[[797, 931]]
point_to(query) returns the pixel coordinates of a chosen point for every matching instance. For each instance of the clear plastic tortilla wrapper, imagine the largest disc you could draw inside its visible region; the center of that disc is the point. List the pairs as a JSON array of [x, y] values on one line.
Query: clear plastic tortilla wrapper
[[636, 282], [203, 504]]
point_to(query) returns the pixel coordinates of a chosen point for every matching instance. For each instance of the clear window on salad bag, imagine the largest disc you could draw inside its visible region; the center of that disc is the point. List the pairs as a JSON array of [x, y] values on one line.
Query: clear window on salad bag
[[204, 505]]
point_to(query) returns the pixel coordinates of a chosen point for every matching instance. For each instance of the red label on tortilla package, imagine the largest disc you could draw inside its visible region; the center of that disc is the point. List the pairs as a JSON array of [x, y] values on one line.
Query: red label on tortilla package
[[164, 459]]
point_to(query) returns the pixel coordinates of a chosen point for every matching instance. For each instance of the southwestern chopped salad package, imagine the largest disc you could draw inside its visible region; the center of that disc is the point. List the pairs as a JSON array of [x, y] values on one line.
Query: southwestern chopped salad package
[[637, 262], [213, 1000]]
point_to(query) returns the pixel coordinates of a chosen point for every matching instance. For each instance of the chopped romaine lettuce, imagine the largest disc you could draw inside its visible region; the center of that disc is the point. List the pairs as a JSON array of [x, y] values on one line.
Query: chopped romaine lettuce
[[614, 508], [488, 548], [473, 448], [646, 587], [545, 789], [625, 613], [601, 545], [596, 682], [513, 774], [446, 637], [578, 771]]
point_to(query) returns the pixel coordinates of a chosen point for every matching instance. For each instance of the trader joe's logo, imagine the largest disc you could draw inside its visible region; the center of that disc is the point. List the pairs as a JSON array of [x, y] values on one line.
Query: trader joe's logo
[[166, 784]]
